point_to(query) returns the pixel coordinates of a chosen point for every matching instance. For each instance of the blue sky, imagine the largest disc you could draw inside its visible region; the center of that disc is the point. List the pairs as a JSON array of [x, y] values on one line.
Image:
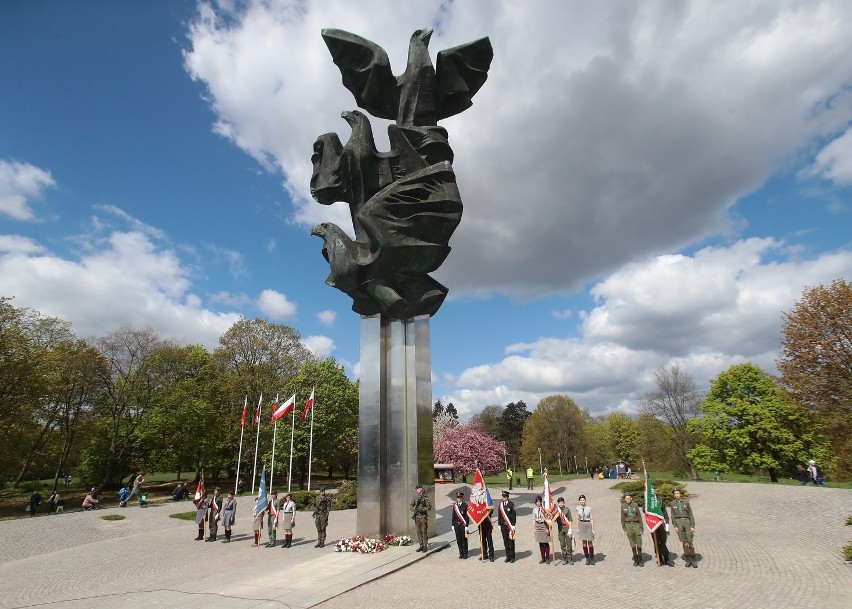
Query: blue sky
[[643, 183]]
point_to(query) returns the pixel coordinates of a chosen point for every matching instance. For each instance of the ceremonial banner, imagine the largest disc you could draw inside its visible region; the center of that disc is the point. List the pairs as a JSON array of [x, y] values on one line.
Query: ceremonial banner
[[548, 504], [653, 506], [262, 499], [309, 405], [199, 490], [480, 504]]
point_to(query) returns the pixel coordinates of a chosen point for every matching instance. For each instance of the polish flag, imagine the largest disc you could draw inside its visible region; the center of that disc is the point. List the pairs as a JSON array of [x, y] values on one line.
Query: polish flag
[[245, 411], [309, 405], [257, 411], [549, 504], [284, 409]]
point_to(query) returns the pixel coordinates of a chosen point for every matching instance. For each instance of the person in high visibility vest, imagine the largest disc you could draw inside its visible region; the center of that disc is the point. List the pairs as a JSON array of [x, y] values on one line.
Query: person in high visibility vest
[[530, 475], [509, 474]]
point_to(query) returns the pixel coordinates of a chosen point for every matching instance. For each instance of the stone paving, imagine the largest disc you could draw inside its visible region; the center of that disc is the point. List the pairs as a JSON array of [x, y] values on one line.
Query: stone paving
[[758, 545]]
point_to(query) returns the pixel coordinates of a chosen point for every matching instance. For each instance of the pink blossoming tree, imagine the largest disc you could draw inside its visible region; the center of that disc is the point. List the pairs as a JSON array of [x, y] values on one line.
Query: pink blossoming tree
[[468, 448]]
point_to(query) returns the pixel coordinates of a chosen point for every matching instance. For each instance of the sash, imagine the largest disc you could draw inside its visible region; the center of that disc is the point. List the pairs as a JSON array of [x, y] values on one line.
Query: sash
[[507, 522], [460, 517], [214, 506], [563, 519], [274, 513]]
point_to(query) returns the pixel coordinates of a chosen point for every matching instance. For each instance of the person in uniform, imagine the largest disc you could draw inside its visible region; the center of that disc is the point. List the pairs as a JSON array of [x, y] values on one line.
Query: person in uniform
[[506, 518], [229, 515], [201, 507], [509, 474], [566, 534], [460, 520], [320, 514], [272, 519], [257, 523], [287, 513], [530, 475], [586, 529], [660, 537], [631, 524], [684, 523], [485, 529], [215, 513], [541, 532], [420, 507]]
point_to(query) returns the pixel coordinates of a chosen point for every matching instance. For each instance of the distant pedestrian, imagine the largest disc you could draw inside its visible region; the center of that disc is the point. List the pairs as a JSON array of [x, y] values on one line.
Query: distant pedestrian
[[816, 473], [137, 486], [90, 502], [229, 515], [123, 494], [60, 504], [530, 476], [509, 474], [35, 501], [51, 502], [803, 475], [586, 530]]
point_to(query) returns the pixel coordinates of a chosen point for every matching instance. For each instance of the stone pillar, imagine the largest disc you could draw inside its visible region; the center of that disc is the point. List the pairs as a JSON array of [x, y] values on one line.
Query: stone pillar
[[395, 424]]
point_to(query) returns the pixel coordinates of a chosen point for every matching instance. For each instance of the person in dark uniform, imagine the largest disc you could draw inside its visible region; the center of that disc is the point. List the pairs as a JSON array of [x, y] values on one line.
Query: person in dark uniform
[[460, 521], [506, 518], [321, 508], [631, 524], [684, 524], [487, 548], [420, 507], [229, 515]]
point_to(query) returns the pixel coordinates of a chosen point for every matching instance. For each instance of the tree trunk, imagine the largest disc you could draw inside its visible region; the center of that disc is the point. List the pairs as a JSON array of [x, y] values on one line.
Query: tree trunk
[[693, 471], [773, 474], [37, 445]]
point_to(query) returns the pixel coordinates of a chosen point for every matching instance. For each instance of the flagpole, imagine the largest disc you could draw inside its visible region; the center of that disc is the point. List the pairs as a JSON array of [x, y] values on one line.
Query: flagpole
[[256, 443], [240, 454], [292, 432], [274, 433], [311, 445]]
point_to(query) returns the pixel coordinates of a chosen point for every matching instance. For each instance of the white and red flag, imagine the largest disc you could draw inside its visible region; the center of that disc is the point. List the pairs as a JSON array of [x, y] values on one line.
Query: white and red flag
[[245, 412], [284, 409], [480, 504], [257, 411], [547, 501], [309, 405]]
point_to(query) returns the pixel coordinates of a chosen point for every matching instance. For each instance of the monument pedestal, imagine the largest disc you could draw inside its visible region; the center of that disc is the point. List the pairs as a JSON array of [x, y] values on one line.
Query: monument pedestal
[[395, 424]]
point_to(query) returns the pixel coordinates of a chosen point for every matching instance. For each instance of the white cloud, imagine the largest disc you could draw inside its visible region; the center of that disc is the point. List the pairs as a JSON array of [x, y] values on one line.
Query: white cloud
[[19, 183], [327, 317], [16, 244], [122, 279], [708, 311], [630, 124], [276, 305], [320, 346], [834, 162], [567, 313]]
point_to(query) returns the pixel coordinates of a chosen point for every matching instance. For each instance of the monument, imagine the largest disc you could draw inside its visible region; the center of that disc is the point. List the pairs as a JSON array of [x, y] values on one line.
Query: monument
[[404, 205]]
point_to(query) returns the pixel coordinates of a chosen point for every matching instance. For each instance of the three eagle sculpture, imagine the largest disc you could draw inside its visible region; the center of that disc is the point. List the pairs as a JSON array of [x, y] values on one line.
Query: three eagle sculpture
[[404, 203]]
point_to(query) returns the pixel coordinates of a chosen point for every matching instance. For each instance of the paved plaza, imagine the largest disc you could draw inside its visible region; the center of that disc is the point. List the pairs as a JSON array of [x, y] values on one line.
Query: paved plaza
[[758, 546]]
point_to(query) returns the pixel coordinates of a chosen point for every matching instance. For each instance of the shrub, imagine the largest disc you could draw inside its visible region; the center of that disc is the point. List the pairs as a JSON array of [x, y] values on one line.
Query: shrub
[[113, 517], [664, 489], [847, 551], [347, 496], [183, 515]]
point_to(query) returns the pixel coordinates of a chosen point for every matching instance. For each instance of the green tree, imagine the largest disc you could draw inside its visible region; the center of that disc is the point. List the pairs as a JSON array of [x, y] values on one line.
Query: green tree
[[675, 402], [557, 426], [437, 409], [451, 410], [488, 421], [623, 438], [816, 362], [749, 424], [512, 422]]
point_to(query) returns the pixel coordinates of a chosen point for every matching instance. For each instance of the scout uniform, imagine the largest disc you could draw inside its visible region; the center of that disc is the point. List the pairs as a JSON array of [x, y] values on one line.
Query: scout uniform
[[229, 515], [631, 523], [684, 523], [213, 518], [201, 507], [271, 520], [586, 530], [566, 534], [541, 532], [420, 507], [288, 518], [321, 508]]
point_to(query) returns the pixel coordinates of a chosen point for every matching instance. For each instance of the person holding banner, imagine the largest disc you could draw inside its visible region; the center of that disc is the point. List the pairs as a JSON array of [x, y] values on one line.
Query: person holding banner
[[271, 520], [215, 511], [201, 507], [507, 517], [460, 520], [229, 515], [586, 530], [257, 522], [541, 531], [660, 536], [631, 524], [566, 534], [485, 529]]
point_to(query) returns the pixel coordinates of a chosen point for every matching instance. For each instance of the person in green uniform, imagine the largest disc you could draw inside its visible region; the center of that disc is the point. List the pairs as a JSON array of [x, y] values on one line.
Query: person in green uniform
[[272, 520], [420, 507], [215, 512], [684, 524], [566, 534], [321, 508], [631, 523]]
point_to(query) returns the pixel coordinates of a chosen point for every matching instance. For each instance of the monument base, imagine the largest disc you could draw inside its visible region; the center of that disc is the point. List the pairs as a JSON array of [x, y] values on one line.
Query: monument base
[[395, 425]]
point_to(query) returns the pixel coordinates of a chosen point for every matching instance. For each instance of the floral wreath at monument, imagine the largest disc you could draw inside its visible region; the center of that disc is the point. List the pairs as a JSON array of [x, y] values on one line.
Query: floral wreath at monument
[[368, 545]]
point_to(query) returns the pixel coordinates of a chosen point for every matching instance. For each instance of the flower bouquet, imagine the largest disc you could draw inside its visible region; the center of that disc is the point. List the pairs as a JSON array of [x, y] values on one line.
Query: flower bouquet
[[360, 544]]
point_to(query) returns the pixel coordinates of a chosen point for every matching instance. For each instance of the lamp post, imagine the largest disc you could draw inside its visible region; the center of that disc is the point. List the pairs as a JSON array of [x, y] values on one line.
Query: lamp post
[[540, 466], [587, 465], [576, 469], [559, 458], [505, 462]]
